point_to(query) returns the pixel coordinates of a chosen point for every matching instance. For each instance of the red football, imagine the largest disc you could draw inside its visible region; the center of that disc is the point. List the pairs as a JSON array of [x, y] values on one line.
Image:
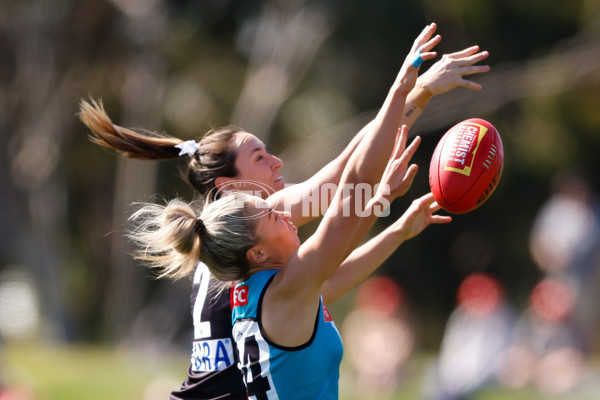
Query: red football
[[466, 166]]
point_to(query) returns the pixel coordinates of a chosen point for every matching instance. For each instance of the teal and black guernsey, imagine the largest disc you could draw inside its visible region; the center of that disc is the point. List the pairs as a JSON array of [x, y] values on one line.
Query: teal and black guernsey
[[270, 371]]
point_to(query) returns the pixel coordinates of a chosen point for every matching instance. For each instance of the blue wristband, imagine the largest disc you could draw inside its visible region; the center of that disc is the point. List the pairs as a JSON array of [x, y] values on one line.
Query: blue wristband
[[416, 60]]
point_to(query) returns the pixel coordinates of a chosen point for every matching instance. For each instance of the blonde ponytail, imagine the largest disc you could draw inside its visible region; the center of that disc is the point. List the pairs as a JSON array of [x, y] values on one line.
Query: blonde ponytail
[[172, 239], [167, 238]]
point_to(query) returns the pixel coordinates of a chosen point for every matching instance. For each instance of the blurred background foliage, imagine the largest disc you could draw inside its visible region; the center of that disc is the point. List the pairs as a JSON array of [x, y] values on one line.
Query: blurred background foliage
[[302, 75]]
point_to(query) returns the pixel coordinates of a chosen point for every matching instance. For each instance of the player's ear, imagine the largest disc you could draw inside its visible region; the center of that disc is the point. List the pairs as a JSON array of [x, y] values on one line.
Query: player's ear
[[256, 255]]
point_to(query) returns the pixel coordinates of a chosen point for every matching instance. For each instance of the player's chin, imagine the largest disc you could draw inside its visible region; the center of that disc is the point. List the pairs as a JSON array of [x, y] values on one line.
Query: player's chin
[[278, 184]]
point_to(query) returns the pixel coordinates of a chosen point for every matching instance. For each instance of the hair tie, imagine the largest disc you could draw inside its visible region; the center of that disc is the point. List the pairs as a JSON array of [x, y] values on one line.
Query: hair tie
[[189, 148], [199, 227]]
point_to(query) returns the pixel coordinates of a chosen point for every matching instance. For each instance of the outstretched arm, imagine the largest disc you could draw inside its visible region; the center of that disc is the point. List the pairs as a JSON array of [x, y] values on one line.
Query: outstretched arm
[[364, 260], [376, 138], [445, 75], [294, 293], [336, 235]]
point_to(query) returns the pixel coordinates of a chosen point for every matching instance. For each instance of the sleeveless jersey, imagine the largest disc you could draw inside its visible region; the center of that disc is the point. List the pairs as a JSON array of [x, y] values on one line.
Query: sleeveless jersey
[[213, 373], [270, 371]]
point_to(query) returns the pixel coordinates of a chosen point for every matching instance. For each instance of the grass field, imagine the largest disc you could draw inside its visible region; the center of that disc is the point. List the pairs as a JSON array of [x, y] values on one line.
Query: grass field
[[98, 373], [90, 373]]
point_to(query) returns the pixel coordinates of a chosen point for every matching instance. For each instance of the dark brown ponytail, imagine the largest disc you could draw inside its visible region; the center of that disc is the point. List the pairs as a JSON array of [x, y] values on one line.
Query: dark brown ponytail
[[215, 156], [128, 143]]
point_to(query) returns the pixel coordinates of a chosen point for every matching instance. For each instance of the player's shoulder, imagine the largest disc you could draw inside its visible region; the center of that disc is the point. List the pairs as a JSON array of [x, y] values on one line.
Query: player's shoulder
[[245, 296]]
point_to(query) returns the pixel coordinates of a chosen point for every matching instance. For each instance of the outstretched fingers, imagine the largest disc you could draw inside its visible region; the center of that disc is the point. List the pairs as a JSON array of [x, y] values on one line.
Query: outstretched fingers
[[401, 154], [407, 180], [429, 201], [426, 41], [419, 216], [426, 48], [405, 172], [421, 50], [475, 58], [465, 60], [400, 143], [450, 71], [402, 159], [398, 175], [469, 52], [411, 149], [468, 67]]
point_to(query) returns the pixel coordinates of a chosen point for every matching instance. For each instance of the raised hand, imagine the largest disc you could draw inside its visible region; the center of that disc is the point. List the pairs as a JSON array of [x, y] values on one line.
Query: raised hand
[[398, 175], [421, 50], [449, 72], [419, 216]]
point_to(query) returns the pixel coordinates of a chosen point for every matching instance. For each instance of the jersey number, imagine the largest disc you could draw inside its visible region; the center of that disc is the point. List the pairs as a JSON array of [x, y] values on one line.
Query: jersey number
[[260, 384], [201, 328]]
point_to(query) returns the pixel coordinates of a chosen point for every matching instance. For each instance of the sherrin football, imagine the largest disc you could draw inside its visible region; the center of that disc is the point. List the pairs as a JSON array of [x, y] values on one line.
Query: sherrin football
[[466, 166]]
